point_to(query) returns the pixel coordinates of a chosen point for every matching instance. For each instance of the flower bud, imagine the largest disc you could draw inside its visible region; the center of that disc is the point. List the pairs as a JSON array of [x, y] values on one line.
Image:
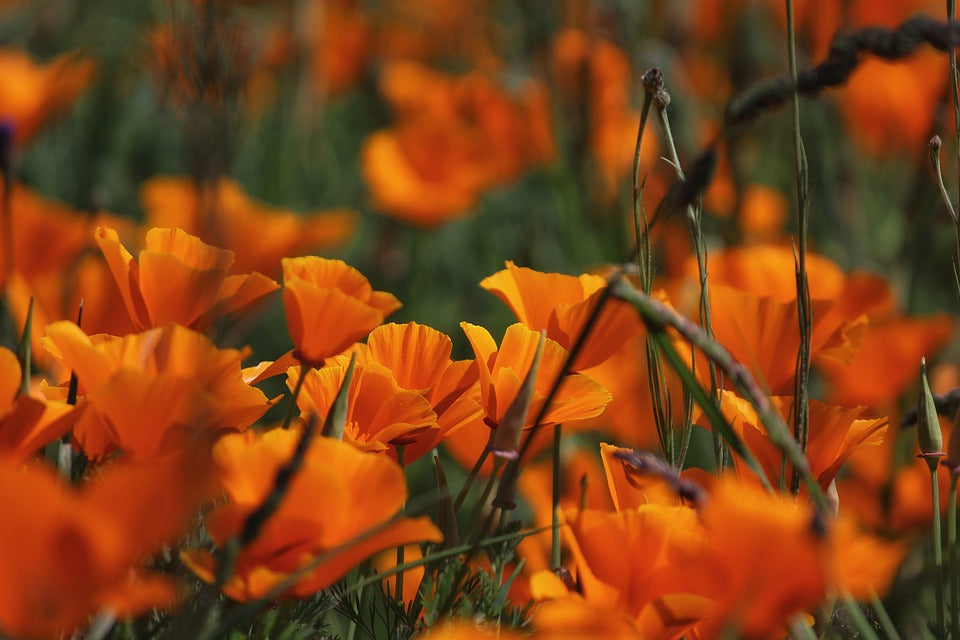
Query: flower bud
[[928, 425]]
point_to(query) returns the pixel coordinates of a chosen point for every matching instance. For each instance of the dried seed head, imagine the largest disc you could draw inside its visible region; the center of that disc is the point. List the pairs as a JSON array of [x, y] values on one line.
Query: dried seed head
[[652, 80], [935, 144], [661, 99]]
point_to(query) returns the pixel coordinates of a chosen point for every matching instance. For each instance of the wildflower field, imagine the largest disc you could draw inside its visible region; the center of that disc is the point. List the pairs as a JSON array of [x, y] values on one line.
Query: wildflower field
[[382, 319]]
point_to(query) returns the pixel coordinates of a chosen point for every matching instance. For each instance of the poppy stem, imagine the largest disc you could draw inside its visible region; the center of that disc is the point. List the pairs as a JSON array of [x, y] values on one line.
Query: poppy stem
[[658, 317], [555, 502], [291, 408], [694, 220], [471, 478], [952, 557], [398, 593], [482, 500], [937, 548], [881, 612]]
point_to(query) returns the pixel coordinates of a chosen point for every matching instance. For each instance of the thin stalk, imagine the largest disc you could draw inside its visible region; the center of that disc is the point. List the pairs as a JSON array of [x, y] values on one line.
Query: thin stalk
[[471, 478], [555, 502], [802, 379], [952, 557], [642, 239], [881, 612], [398, 593], [937, 550], [292, 407], [696, 233], [484, 496], [352, 626], [658, 317], [857, 617], [951, 15]]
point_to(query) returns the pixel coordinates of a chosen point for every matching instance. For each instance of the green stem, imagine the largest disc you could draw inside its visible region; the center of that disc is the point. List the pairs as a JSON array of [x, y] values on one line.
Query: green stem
[[937, 550], [952, 558], [881, 612], [471, 478], [555, 503], [400, 550], [857, 617], [291, 408], [482, 500]]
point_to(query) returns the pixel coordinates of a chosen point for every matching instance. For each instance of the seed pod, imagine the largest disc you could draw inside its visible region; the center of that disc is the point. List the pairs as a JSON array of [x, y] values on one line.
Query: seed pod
[[928, 425]]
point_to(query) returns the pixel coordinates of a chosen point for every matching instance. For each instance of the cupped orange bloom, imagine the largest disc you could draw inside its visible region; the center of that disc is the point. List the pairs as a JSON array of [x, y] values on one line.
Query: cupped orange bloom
[[503, 369], [561, 305], [330, 305], [156, 391], [27, 423], [834, 434], [380, 413], [68, 554], [30, 93], [223, 215], [338, 511], [179, 278], [449, 386]]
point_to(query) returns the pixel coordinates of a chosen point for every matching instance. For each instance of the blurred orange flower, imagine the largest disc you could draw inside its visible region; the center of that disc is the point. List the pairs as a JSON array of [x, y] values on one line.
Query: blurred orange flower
[[179, 278], [361, 495], [154, 392], [27, 423], [67, 554], [223, 215], [456, 138], [31, 93], [330, 305], [561, 305]]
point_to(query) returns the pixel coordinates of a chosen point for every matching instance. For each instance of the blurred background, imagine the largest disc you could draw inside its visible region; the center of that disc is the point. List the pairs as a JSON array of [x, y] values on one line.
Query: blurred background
[[443, 138]]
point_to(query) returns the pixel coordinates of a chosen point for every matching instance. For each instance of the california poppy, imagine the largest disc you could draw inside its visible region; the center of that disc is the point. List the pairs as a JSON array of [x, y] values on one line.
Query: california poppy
[[154, 392], [309, 542], [330, 305], [179, 278]]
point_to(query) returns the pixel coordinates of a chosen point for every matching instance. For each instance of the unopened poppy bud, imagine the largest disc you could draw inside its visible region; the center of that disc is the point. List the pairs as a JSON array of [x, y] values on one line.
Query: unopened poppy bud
[[935, 144], [928, 426], [506, 437], [336, 419]]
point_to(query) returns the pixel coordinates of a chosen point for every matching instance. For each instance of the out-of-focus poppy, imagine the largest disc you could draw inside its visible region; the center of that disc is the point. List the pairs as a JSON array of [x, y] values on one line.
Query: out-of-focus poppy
[[224, 216], [68, 554], [362, 495], [31, 93]]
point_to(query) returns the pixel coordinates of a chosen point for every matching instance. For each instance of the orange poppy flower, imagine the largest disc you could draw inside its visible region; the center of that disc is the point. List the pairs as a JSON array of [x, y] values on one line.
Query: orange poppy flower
[[360, 492], [340, 46], [155, 391], [379, 411], [68, 553], [30, 93], [503, 369], [178, 278], [449, 386], [560, 305], [225, 216], [329, 305], [834, 434]]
